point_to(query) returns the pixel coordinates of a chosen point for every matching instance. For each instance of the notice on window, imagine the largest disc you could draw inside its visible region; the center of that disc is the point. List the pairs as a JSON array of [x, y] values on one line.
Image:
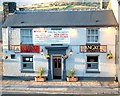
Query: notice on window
[[47, 36], [31, 59]]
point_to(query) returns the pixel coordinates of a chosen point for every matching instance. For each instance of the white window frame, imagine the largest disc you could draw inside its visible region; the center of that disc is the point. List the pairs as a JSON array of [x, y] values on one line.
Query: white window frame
[[93, 70], [94, 35], [29, 35], [22, 69]]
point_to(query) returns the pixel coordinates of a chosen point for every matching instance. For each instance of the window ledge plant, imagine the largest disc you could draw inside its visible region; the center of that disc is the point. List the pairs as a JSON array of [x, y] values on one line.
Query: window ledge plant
[[71, 76], [47, 56], [40, 77]]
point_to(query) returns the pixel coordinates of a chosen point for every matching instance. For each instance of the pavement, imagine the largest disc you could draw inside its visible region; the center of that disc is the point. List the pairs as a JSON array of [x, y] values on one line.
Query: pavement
[[60, 87]]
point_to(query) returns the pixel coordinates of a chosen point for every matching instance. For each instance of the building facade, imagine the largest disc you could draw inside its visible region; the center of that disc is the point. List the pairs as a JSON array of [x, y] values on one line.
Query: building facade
[[115, 6], [82, 40]]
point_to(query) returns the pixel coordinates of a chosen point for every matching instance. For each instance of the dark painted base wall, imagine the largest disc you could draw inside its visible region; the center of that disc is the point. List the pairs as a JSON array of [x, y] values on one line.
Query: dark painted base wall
[[27, 78]]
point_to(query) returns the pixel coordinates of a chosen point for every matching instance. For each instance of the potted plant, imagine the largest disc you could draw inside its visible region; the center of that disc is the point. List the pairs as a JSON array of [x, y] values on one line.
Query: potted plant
[[47, 56], [40, 77], [65, 57], [109, 55], [5, 57], [71, 77]]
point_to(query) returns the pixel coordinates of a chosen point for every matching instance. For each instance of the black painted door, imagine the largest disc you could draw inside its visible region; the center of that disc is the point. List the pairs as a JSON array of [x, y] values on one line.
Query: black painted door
[[57, 67]]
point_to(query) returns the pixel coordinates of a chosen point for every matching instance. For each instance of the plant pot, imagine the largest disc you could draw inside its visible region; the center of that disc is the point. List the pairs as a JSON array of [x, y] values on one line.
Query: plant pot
[[72, 79], [47, 57], [40, 79], [5, 57]]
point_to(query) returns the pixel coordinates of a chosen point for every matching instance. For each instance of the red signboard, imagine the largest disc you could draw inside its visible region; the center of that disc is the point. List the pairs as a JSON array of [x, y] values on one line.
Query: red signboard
[[29, 49]]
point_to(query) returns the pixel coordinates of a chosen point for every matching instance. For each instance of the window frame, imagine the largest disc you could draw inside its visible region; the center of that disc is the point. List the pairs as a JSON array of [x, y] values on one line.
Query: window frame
[[97, 35], [30, 35], [92, 70], [23, 70]]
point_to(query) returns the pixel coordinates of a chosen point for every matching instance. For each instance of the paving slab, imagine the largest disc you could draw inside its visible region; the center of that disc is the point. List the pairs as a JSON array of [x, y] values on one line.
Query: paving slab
[[59, 87]]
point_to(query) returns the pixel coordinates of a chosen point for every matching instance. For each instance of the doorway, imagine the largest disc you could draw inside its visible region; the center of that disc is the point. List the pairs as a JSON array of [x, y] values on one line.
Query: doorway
[[57, 66]]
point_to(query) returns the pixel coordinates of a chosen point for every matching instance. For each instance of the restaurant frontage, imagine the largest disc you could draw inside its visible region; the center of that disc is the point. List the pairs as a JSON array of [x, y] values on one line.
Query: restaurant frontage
[[58, 41]]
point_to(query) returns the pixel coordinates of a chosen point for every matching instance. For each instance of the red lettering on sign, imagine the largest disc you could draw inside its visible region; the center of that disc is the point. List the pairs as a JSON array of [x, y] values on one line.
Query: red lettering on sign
[[29, 49]]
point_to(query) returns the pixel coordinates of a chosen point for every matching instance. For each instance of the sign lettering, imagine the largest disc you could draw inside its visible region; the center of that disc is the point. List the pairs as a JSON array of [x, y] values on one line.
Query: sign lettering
[[29, 49], [93, 48], [48, 36]]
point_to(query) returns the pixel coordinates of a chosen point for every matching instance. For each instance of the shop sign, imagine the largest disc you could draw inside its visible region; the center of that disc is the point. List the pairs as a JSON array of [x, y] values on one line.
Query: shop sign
[[16, 48], [48, 36], [93, 48], [29, 49]]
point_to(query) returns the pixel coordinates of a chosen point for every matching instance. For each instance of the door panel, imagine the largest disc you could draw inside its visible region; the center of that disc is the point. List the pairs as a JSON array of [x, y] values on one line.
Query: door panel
[[57, 67]]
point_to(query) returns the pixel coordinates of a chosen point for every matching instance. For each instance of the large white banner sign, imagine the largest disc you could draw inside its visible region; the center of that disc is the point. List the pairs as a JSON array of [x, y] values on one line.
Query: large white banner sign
[[48, 36]]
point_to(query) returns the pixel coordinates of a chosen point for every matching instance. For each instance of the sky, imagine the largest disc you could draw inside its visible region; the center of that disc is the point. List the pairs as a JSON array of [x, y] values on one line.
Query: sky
[[22, 2]]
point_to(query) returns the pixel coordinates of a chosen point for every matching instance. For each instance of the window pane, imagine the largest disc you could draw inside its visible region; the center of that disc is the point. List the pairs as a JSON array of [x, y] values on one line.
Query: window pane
[[92, 38], [92, 32], [92, 59], [96, 31], [88, 66], [30, 33], [55, 63], [94, 65], [92, 35], [88, 32], [27, 66], [88, 39], [27, 62], [27, 59], [26, 36], [24, 65], [96, 38], [59, 63]]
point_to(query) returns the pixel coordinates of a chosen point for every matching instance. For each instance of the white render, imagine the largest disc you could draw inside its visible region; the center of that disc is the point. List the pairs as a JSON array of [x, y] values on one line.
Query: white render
[[12, 67], [113, 5]]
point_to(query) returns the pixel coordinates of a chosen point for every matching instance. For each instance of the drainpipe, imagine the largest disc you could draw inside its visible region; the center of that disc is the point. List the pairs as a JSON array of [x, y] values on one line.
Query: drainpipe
[[101, 4], [116, 52], [119, 56]]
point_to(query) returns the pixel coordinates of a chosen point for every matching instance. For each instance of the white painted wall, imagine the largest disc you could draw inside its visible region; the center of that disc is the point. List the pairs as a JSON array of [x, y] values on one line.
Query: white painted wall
[[77, 60], [12, 67], [116, 9], [113, 5], [15, 40], [5, 39]]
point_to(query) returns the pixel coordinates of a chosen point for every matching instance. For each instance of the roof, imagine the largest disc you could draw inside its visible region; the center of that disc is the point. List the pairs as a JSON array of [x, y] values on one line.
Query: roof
[[61, 18]]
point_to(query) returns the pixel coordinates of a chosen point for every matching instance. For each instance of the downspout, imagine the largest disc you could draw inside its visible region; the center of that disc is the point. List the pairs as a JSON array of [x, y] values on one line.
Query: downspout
[[119, 42], [116, 52]]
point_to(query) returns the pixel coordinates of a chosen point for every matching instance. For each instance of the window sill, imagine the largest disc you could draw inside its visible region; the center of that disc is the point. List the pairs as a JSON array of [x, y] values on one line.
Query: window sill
[[27, 71], [92, 43], [92, 71]]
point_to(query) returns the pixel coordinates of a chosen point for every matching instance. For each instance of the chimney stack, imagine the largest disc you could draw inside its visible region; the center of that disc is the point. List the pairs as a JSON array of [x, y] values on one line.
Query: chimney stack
[[103, 4], [8, 7]]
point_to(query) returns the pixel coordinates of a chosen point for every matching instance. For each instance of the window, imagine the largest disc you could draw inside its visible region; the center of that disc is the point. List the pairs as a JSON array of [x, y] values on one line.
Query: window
[[27, 63], [92, 63], [12, 56], [92, 35], [26, 36]]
